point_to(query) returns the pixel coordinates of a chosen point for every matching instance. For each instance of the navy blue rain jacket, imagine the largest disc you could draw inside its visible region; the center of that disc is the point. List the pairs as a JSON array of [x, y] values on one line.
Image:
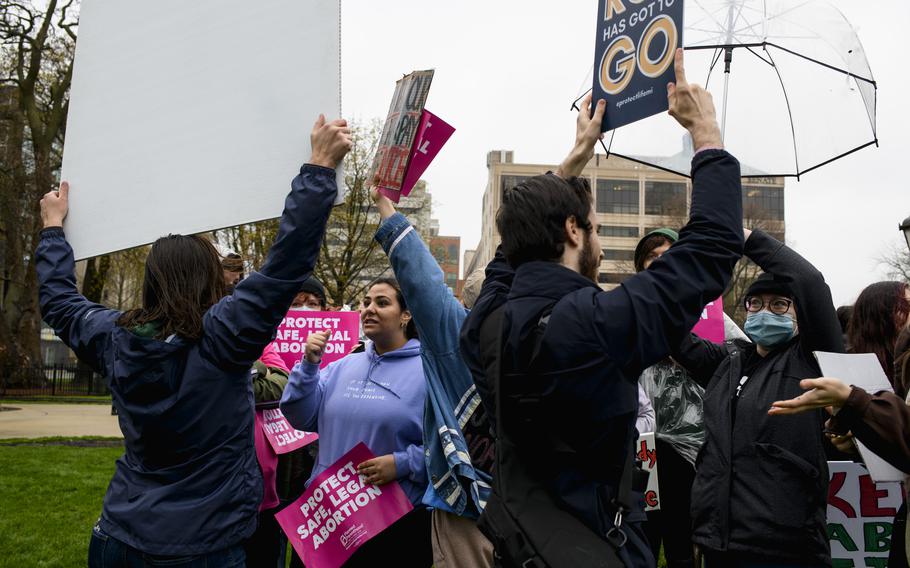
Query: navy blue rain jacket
[[188, 482], [597, 343]]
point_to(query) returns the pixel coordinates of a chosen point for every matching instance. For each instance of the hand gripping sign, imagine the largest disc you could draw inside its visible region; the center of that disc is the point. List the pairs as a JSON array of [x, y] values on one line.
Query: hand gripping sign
[[290, 339], [633, 57], [340, 511]]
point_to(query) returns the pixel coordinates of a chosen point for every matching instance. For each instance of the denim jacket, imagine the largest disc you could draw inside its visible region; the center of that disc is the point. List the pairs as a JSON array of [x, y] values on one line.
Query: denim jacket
[[456, 427]]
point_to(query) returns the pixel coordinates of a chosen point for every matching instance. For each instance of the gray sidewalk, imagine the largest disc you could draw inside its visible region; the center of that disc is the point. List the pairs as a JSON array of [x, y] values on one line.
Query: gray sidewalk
[[42, 420]]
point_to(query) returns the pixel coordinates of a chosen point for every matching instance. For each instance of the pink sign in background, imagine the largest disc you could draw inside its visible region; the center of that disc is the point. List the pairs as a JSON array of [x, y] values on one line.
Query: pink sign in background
[[711, 324], [340, 511], [432, 134], [268, 463], [297, 325], [280, 434]]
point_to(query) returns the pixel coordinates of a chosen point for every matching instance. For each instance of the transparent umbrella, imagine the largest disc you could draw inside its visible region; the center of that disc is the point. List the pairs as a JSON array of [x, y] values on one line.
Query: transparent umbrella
[[790, 81]]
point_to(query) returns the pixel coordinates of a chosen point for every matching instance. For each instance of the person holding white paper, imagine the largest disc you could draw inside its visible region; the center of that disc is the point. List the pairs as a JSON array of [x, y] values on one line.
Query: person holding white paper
[[187, 490]]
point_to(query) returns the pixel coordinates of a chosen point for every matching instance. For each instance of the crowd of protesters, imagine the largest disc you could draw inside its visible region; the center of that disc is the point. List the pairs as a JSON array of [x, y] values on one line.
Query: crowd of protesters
[[536, 361]]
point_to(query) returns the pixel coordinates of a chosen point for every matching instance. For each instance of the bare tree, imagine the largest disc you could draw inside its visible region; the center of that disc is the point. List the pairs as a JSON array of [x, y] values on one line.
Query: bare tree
[[896, 260], [37, 41], [123, 290]]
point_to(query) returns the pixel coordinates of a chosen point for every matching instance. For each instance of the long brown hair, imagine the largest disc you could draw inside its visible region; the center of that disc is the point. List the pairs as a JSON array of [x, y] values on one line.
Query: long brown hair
[[874, 327], [183, 279]]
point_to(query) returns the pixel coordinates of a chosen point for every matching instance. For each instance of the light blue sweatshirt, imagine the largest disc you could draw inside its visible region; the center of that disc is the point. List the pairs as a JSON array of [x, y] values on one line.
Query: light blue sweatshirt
[[369, 398]]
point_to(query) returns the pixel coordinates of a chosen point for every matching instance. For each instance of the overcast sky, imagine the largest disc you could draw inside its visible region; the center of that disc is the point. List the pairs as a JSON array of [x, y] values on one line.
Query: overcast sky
[[507, 71]]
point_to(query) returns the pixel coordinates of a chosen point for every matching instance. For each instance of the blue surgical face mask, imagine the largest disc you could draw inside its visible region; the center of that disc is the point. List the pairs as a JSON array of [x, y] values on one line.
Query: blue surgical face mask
[[769, 330]]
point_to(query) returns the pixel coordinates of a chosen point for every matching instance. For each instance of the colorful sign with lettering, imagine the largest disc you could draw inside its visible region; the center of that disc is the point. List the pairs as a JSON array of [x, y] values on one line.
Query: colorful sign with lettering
[[290, 339], [281, 435], [400, 130], [860, 516], [710, 325], [633, 57], [646, 451], [431, 137], [340, 511]]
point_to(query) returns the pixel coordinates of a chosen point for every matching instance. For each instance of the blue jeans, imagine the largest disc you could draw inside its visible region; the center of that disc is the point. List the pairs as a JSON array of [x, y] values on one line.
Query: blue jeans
[[105, 551]]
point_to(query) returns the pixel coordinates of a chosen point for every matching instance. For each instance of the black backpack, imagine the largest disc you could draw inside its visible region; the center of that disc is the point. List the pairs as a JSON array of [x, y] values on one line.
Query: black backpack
[[523, 520]]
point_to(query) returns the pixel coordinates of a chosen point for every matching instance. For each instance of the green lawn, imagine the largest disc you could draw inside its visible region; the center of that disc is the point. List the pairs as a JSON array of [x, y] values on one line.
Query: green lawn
[[50, 497]]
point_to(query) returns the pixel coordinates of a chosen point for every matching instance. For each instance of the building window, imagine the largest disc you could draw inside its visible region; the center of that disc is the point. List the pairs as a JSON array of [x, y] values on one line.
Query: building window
[[451, 279], [617, 196], [616, 254], [763, 202], [665, 198], [617, 231], [453, 254], [612, 277]]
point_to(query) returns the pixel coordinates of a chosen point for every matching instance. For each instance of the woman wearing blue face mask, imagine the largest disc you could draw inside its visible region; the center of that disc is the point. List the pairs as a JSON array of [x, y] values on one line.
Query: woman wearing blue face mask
[[760, 490]]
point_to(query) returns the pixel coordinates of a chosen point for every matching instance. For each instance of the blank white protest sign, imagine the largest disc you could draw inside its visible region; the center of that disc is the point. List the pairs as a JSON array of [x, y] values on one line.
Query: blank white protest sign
[[189, 116]]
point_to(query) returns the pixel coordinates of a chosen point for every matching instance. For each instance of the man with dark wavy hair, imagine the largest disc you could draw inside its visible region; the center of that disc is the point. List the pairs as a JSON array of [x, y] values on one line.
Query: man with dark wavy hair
[[571, 353]]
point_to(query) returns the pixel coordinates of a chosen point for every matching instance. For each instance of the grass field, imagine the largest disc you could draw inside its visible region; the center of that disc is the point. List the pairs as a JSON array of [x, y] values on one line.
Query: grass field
[[50, 497]]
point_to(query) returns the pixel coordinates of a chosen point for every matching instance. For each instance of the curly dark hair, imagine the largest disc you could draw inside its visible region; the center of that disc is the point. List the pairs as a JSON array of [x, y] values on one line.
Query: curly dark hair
[[532, 218]]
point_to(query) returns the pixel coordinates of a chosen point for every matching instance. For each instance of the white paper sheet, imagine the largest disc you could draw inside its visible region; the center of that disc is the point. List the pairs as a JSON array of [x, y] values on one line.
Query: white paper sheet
[[864, 371], [192, 116]]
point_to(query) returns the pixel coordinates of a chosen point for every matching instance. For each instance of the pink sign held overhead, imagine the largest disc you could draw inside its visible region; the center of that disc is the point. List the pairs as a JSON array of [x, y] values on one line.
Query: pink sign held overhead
[[290, 339], [340, 511], [281, 435], [711, 324], [432, 134]]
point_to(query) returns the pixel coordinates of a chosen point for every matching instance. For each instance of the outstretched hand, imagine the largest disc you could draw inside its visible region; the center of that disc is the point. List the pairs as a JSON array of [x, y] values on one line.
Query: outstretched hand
[[820, 393], [330, 142], [55, 206], [693, 108], [587, 133], [383, 204]]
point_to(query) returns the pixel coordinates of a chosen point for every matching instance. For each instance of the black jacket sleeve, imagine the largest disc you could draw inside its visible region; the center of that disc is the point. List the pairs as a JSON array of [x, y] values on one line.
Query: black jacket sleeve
[[653, 311], [816, 317], [700, 358]]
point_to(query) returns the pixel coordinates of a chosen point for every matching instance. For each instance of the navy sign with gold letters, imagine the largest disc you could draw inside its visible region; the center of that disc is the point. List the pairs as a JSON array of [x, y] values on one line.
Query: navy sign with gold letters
[[633, 58]]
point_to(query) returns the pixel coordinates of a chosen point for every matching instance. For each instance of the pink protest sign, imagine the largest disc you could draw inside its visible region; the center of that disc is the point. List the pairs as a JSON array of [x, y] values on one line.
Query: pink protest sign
[[268, 463], [340, 511], [281, 435], [432, 135], [711, 324], [290, 339]]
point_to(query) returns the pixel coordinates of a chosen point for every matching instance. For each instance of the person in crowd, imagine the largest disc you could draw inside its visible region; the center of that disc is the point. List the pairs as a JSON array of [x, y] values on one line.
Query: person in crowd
[[880, 313], [881, 421], [760, 489], [679, 433], [456, 430], [843, 318], [232, 268], [376, 397], [571, 353], [311, 296], [187, 489]]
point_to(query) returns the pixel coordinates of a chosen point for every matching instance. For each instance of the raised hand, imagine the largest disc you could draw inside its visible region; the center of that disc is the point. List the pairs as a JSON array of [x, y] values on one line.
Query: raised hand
[[587, 133], [693, 108], [383, 204], [330, 142], [315, 346], [55, 206]]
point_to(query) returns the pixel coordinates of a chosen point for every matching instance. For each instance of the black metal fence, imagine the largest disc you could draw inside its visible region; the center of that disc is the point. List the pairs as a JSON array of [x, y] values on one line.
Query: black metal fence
[[51, 380]]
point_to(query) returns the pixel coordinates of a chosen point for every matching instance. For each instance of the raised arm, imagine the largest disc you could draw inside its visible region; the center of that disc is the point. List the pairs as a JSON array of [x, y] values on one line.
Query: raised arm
[[241, 325], [816, 315], [436, 312], [652, 312], [305, 391], [699, 357], [82, 325]]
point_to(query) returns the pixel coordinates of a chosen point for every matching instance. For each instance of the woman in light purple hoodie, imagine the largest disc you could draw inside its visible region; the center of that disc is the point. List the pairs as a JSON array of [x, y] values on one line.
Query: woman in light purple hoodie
[[376, 397]]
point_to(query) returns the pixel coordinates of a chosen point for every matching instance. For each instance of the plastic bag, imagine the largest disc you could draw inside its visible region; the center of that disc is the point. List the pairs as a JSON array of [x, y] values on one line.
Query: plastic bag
[[678, 402]]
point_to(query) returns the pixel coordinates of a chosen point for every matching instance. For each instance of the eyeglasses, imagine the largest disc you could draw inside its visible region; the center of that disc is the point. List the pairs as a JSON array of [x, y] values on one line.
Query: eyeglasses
[[778, 306]]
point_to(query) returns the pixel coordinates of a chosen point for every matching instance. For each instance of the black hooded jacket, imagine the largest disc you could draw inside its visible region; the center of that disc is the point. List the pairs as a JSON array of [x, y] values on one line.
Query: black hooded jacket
[[761, 481]]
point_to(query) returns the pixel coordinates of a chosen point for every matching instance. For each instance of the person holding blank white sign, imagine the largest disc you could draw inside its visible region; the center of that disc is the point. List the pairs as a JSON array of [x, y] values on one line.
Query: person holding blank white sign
[[188, 487]]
